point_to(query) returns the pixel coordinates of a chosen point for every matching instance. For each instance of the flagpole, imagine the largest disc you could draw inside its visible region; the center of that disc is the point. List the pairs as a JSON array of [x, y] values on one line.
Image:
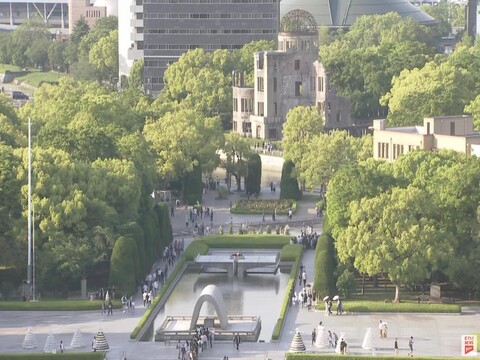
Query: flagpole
[[29, 268]]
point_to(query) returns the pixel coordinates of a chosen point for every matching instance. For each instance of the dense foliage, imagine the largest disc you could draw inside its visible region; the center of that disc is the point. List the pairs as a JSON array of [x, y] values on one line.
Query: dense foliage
[[253, 174], [289, 184], [415, 220]]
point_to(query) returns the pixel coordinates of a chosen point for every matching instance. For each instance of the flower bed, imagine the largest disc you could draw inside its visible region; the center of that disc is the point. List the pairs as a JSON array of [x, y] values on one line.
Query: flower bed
[[267, 207]]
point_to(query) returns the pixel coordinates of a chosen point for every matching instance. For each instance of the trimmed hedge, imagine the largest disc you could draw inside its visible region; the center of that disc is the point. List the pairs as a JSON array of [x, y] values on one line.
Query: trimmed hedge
[[291, 356], [289, 184], [254, 241], [324, 282], [259, 207], [288, 250], [404, 307], [123, 265], [254, 171], [64, 356], [55, 305]]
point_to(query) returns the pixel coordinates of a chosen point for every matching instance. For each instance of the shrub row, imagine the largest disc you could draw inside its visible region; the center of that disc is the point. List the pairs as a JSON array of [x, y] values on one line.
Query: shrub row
[[404, 307], [55, 305], [291, 356], [267, 207], [64, 356], [289, 251]]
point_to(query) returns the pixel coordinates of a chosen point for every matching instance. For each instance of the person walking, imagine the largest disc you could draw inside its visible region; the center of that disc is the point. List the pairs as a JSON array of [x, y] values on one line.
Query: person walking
[[410, 345], [62, 347], [314, 336], [236, 340], [395, 347]]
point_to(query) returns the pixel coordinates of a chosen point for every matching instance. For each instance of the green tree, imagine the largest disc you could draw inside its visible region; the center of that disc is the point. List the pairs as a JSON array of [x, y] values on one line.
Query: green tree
[[182, 140], [253, 177], [435, 89], [303, 123], [237, 150], [123, 265], [395, 233], [289, 184], [135, 80], [329, 152], [362, 62], [56, 55], [104, 55]]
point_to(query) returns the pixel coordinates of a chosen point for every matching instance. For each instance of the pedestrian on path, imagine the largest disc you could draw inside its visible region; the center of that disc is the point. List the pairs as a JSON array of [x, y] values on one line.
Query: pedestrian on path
[[314, 336], [236, 340], [395, 347], [62, 347], [410, 345]]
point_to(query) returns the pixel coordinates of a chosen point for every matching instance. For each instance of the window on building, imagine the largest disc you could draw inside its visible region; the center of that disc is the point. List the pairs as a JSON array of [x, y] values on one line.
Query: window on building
[[139, 2], [260, 84], [260, 108], [275, 112], [428, 128], [139, 45], [298, 88], [260, 63], [235, 104], [320, 83], [139, 16], [274, 84], [297, 64], [244, 105], [234, 126], [452, 128]]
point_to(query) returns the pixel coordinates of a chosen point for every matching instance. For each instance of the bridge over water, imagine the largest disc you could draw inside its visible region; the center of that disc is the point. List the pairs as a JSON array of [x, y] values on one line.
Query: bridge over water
[[237, 264]]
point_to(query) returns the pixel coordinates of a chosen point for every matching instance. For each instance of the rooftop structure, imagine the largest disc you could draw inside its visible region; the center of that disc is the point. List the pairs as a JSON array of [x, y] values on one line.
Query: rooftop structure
[[343, 13], [437, 133]]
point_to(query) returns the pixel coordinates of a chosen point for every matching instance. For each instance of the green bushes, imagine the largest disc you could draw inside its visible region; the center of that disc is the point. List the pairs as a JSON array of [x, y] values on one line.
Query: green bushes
[[324, 283], [254, 241], [254, 174], [193, 186], [223, 192], [289, 184], [260, 207], [123, 265], [287, 251], [390, 307], [346, 283]]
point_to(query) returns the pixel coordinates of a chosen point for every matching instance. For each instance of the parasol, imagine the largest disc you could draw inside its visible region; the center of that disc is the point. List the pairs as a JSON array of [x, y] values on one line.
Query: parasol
[[336, 297], [326, 298]]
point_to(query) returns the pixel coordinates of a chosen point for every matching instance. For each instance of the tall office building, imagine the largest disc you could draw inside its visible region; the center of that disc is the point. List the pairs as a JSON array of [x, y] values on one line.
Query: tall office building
[[160, 31]]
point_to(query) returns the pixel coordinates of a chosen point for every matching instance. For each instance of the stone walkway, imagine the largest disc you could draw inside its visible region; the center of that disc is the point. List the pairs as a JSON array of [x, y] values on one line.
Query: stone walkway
[[434, 334]]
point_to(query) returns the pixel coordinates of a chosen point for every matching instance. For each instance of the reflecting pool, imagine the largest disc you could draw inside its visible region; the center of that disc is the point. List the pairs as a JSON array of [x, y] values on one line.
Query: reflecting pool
[[255, 294]]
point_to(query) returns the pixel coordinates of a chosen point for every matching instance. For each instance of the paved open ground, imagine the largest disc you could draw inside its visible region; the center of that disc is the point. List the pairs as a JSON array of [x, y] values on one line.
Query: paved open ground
[[434, 334]]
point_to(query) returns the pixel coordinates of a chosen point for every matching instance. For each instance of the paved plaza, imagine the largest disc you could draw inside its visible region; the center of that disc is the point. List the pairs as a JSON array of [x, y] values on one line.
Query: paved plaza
[[434, 334]]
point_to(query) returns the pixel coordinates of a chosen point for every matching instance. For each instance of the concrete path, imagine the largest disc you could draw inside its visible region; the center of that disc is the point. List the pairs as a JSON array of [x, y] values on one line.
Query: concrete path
[[438, 335]]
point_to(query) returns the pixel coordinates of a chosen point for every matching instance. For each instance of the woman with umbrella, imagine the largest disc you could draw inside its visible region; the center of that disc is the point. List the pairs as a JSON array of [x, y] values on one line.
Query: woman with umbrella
[[339, 304], [326, 300]]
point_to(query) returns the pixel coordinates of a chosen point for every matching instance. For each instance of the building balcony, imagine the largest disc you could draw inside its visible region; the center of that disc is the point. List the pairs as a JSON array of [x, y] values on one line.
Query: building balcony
[[135, 54], [136, 23], [134, 36]]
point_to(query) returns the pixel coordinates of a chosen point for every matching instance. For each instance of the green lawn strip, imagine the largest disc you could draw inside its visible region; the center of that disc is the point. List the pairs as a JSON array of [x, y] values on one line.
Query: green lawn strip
[[5, 67], [478, 342], [55, 305], [288, 252], [36, 78], [64, 356], [404, 307], [259, 207], [291, 356], [201, 246]]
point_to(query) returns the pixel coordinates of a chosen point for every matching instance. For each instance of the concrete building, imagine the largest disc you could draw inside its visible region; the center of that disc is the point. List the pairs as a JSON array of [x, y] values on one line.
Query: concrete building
[[160, 31], [437, 133], [284, 79], [60, 15]]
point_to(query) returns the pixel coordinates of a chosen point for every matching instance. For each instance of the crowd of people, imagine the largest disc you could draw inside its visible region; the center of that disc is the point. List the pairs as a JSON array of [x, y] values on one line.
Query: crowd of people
[[202, 339]]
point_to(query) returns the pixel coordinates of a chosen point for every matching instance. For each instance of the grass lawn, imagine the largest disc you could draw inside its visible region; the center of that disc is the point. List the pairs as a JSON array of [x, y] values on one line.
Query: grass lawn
[[55, 305], [12, 68], [35, 77], [259, 207]]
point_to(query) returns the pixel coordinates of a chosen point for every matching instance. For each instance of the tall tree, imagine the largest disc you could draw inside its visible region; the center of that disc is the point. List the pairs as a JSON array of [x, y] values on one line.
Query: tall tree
[[236, 150], [395, 233]]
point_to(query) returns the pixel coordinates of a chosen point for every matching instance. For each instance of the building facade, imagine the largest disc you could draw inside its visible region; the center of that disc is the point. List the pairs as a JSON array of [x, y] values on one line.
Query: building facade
[[160, 31], [284, 79], [437, 133], [60, 15]]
